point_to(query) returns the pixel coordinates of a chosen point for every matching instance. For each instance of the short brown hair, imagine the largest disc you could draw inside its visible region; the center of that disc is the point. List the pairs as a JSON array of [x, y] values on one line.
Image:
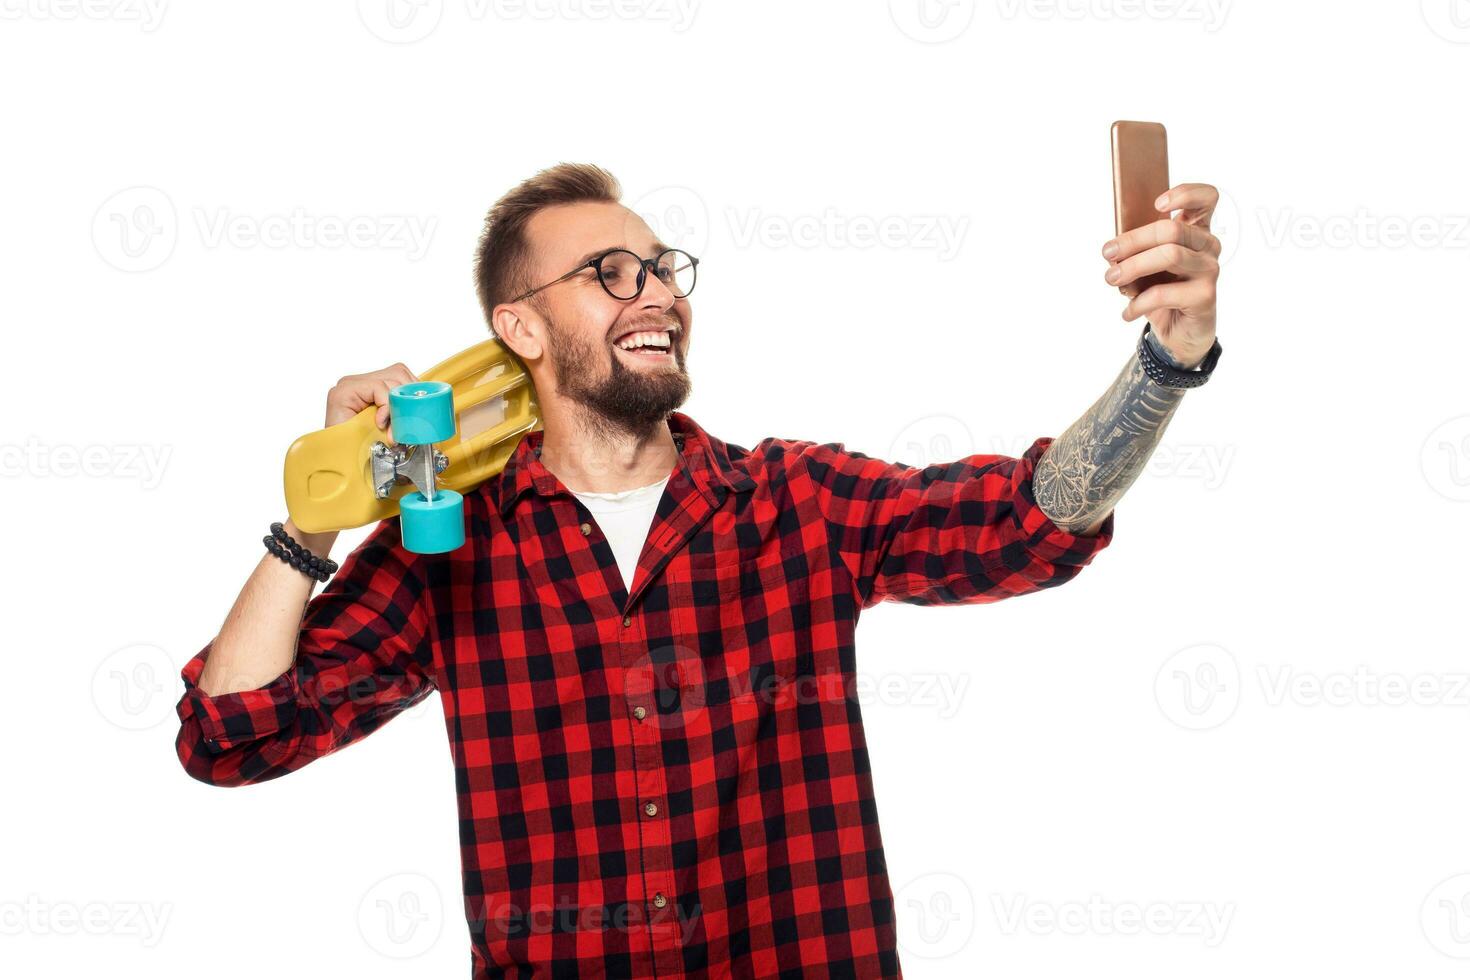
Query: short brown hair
[[502, 259]]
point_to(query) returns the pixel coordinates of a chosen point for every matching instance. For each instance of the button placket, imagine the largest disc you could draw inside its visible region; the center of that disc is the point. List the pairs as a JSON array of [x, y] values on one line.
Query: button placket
[[656, 844]]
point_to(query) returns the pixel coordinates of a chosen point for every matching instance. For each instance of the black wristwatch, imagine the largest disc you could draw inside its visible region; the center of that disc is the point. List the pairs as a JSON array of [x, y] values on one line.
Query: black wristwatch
[[1163, 373]]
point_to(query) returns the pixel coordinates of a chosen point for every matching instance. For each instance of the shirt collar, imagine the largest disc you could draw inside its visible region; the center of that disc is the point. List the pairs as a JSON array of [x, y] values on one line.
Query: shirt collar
[[704, 459]]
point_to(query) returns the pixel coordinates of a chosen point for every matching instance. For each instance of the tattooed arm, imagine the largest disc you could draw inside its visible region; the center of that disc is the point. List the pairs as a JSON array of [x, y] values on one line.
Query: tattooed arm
[[1084, 473], [1081, 476]]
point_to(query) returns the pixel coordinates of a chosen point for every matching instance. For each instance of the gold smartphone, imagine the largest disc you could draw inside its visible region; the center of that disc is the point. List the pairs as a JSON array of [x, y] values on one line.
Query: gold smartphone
[[1140, 175]]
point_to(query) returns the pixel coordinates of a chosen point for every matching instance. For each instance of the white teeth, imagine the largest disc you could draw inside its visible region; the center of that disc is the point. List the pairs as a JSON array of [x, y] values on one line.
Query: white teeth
[[645, 338]]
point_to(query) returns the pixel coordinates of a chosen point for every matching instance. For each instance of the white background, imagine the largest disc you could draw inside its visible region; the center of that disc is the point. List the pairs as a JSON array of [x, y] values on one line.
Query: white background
[[1242, 726]]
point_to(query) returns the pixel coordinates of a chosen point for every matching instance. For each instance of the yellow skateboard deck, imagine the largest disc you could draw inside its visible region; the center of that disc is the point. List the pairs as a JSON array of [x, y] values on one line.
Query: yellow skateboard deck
[[330, 481]]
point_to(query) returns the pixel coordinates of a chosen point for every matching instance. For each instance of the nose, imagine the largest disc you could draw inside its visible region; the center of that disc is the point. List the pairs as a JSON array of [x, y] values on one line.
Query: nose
[[656, 294]]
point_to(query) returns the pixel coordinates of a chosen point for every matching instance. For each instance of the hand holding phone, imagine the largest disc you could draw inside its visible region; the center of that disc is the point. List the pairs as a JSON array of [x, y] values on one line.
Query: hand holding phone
[[1166, 264]]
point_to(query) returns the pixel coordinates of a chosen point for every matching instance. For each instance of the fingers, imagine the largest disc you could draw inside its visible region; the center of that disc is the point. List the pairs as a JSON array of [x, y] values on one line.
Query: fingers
[[1193, 295], [1188, 197], [1165, 231], [1181, 245], [1169, 257], [356, 392], [389, 379], [380, 390], [1196, 201]]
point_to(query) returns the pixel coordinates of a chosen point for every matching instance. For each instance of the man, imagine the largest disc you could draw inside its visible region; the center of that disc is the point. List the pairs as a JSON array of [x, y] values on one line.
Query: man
[[645, 648]]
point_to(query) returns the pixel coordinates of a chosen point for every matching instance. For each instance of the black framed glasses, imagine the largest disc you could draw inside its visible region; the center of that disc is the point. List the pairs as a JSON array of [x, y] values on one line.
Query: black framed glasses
[[623, 273]]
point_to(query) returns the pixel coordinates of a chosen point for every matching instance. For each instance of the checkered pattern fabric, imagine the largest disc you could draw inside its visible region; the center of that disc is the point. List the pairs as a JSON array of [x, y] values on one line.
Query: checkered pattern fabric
[[670, 781]]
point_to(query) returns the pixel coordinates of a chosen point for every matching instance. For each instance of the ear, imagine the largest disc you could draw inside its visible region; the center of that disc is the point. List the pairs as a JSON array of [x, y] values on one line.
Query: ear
[[519, 329]]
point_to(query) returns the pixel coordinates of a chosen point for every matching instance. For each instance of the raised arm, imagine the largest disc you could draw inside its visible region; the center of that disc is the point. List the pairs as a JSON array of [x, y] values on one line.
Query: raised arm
[[287, 680], [1085, 472]]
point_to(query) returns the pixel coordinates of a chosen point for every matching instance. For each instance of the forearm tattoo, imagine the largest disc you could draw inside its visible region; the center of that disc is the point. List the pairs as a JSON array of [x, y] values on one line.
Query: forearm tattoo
[[1084, 473]]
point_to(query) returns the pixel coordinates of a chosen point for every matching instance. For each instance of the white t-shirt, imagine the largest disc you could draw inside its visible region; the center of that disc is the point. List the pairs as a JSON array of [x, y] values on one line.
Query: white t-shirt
[[625, 517]]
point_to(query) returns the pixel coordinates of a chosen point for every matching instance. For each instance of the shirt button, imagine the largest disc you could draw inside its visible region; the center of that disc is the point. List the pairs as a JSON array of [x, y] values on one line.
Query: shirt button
[[651, 808], [659, 901], [639, 712], [627, 620], [586, 529]]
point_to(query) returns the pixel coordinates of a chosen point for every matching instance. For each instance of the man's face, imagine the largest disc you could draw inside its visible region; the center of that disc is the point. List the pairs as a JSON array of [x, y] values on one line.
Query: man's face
[[624, 360]]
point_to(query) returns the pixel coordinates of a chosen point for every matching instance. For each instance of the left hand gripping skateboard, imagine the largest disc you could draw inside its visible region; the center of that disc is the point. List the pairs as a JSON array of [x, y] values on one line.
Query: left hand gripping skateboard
[[475, 406]]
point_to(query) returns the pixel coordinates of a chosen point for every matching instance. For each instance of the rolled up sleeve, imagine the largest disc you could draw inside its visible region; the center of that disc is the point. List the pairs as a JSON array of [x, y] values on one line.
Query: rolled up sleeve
[[363, 655], [961, 532], [227, 720]]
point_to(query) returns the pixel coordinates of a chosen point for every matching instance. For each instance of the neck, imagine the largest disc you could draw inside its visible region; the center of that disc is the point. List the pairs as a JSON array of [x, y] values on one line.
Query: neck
[[589, 455]]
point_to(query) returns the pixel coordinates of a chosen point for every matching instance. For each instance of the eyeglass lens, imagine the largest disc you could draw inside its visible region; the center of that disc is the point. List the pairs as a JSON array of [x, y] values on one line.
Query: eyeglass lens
[[620, 268]]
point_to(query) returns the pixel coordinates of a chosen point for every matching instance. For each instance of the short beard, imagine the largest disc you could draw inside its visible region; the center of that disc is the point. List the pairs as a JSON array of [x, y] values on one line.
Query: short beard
[[628, 401]]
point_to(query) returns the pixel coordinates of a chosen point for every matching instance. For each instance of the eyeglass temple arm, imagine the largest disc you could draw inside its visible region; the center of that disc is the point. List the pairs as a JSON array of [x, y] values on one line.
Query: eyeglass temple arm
[[585, 265]]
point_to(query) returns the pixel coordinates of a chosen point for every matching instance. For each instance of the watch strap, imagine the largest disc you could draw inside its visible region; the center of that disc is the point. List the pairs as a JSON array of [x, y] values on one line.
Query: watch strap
[[1163, 373]]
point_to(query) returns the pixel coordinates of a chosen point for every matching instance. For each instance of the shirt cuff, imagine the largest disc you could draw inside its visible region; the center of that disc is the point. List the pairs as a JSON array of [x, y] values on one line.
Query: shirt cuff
[[1037, 532], [227, 720]]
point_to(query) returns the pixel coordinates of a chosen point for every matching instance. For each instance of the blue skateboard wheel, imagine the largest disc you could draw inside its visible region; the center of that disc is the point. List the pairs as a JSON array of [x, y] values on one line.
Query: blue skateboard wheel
[[430, 527], [422, 412]]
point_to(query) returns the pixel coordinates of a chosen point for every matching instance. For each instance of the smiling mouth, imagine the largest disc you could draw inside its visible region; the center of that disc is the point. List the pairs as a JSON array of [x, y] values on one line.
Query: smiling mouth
[[652, 345]]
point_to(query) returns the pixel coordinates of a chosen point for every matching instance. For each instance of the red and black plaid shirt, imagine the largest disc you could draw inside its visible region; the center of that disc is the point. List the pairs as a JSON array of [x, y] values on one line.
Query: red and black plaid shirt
[[671, 782]]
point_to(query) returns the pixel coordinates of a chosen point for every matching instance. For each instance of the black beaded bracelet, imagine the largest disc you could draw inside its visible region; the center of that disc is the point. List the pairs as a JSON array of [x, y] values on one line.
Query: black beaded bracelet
[[290, 551], [278, 530]]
